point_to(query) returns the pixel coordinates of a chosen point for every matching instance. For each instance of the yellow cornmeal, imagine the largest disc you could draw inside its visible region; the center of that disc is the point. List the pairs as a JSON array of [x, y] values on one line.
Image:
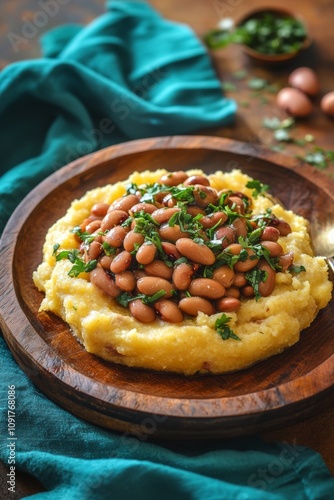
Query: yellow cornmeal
[[265, 327]]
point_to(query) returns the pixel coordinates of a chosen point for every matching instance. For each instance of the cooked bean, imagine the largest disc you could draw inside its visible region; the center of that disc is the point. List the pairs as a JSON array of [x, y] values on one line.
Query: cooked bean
[[171, 233], [228, 304], [197, 179], [224, 275], [170, 250], [126, 281], [146, 207], [124, 203], [106, 260], [142, 312], [151, 285], [100, 209], [169, 311], [234, 248], [236, 204], [192, 210], [285, 261], [283, 227], [206, 287], [101, 279], [164, 214], [240, 226], [121, 262], [173, 178], [227, 235], [195, 305], [248, 291], [146, 253], [214, 219], [139, 274], [113, 218], [270, 233], [239, 280], [115, 236], [196, 252], [160, 269], [274, 248], [93, 226], [182, 276], [169, 201], [131, 239], [205, 195], [95, 249], [233, 292], [249, 263], [266, 287]]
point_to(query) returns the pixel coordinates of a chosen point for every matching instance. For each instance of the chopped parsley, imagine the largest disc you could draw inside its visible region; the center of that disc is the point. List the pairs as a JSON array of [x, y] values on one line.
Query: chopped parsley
[[258, 187], [223, 329], [125, 298], [79, 266]]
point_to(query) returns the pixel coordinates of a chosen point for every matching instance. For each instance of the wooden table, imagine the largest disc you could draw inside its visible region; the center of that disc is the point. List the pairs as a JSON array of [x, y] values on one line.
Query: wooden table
[[236, 71]]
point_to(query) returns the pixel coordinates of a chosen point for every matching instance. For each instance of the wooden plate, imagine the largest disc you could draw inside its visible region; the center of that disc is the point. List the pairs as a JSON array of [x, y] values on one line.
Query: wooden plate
[[273, 393]]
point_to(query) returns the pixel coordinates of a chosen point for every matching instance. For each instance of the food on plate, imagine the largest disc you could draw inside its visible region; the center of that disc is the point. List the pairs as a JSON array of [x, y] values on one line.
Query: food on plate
[[304, 79], [294, 102], [182, 271]]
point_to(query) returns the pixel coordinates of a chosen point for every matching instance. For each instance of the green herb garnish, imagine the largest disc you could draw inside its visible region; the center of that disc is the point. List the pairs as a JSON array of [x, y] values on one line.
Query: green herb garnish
[[223, 329]]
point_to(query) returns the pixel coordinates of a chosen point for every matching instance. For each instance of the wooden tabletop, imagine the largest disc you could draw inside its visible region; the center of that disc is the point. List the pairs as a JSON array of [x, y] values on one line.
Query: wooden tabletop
[[237, 73]]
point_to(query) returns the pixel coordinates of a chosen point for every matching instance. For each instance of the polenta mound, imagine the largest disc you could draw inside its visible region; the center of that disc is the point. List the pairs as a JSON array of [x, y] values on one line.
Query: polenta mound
[[255, 322]]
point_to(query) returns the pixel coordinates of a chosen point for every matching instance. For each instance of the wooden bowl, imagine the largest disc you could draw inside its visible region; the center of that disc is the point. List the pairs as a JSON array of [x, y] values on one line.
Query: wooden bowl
[[273, 59], [271, 394]]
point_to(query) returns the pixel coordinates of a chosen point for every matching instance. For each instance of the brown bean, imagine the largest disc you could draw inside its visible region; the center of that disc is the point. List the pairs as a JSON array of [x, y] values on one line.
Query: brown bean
[[102, 280], [233, 292], [113, 218], [164, 214], [214, 219], [146, 207], [227, 235], [234, 248], [173, 178], [236, 204], [100, 209], [248, 291], [195, 305], [124, 203], [160, 269], [146, 253], [228, 304], [142, 312], [240, 226], [170, 250], [93, 226], [94, 250], [274, 248], [205, 196], [192, 210], [239, 280], [224, 275], [285, 261], [182, 276], [126, 281], [266, 287], [139, 274], [169, 201], [106, 260], [121, 262], [151, 285], [171, 233], [131, 239], [270, 233], [196, 252], [115, 236], [206, 287], [197, 179], [169, 311], [283, 227], [249, 263]]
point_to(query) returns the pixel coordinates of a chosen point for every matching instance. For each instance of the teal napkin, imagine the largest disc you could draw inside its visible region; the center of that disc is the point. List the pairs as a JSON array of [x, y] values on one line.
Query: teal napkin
[[129, 74]]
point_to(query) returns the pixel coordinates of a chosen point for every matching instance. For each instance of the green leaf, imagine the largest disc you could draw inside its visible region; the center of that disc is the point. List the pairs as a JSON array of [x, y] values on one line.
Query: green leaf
[[296, 269], [258, 187], [222, 328]]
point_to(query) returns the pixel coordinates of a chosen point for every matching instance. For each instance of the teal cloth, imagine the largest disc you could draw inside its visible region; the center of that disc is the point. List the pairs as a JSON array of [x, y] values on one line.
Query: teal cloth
[[129, 74]]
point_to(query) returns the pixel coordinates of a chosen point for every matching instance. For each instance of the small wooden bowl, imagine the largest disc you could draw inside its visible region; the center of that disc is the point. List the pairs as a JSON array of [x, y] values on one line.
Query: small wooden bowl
[[273, 59]]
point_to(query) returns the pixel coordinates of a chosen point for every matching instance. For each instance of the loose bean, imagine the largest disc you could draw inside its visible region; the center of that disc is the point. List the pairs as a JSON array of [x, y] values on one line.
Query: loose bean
[[195, 305], [195, 211], [170, 250], [285, 261], [100, 209], [164, 214], [146, 253], [95, 249], [160, 269], [228, 304], [146, 207], [249, 263], [124, 203], [115, 236], [139, 274], [182, 276], [234, 248], [205, 195], [196, 252], [169, 201], [126, 281], [214, 219], [206, 287], [227, 235], [131, 239], [142, 312], [113, 218], [106, 260], [236, 204], [169, 311], [173, 178], [274, 248], [283, 227], [239, 280], [151, 285], [102, 280], [93, 226], [240, 226], [248, 291], [197, 179], [171, 233], [266, 287], [121, 262], [224, 275], [233, 292], [270, 233]]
